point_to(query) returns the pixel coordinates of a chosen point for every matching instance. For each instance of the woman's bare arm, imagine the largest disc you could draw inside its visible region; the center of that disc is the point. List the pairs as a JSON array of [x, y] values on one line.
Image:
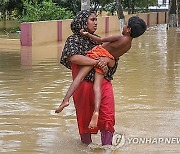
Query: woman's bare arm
[[83, 60]]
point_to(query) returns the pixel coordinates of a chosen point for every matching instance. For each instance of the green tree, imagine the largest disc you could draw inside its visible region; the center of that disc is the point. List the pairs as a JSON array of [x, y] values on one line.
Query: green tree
[[134, 6], [178, 5], [46, 10], [120, 14], [173, 13], [85, 4], [10, 9], [119, 9], [5, 8], [74, 6]]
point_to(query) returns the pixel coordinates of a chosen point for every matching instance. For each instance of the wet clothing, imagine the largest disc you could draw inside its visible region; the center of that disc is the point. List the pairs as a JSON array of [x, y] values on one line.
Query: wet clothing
[[99, 51], [84, 104], [76, 44], [106, 137]]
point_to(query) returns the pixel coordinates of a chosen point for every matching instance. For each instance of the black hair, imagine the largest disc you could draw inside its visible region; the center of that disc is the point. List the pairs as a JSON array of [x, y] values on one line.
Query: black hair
[[137, 25]]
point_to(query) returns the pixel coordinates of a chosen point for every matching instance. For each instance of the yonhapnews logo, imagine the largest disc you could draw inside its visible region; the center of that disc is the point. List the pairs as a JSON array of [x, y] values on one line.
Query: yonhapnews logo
[[120, 140]]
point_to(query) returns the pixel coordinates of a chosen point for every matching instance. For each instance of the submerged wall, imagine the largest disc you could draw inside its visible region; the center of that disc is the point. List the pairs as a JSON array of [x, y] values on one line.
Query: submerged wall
[[34, 33]]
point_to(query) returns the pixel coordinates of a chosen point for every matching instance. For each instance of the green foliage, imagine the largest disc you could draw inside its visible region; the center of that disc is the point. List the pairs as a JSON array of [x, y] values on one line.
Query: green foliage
[[35, 10], [46, 10], [100, 4], [74, 6], [110, 7], [9, 6], [134, 6]]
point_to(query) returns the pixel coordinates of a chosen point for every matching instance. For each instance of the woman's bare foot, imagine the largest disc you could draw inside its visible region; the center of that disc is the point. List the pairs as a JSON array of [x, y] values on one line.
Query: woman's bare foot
[[94, 120], [61, 107]]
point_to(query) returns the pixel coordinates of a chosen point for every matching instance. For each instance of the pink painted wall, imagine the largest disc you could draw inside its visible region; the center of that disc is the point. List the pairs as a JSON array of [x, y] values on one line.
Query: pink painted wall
[[34, 33], [26, 34]]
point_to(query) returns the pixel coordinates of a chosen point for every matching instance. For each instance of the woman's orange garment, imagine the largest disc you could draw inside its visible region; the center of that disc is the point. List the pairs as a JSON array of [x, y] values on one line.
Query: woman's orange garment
[[96, 52]]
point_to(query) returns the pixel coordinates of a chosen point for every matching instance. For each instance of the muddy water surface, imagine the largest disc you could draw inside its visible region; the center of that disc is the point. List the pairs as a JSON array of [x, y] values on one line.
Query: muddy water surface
[[147, 95]]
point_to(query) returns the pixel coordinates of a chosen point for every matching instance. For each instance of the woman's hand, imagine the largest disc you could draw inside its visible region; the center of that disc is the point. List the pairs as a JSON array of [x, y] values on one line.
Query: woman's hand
[[102, 64]]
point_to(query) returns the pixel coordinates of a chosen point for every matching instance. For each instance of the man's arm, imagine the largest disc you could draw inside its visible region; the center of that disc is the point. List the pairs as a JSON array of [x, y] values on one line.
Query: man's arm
[[111, 38]]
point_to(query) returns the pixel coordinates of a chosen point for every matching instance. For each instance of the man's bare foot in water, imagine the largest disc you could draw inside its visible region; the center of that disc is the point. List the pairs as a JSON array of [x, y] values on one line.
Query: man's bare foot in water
[[94, 120], [61, 107]]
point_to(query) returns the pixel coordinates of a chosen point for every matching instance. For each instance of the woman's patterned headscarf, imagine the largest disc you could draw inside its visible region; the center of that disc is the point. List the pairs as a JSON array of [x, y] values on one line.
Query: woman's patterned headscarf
[[76, 44], [80, 21]]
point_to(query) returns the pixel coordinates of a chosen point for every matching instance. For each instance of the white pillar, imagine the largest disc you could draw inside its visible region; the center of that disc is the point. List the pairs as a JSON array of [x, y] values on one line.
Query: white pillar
[[85, 4]]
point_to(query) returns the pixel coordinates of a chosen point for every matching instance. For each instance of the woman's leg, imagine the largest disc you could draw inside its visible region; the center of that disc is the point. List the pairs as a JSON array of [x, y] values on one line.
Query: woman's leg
[[106, 137], [97, 99], [106, 119], [86, 138], [79, 78]]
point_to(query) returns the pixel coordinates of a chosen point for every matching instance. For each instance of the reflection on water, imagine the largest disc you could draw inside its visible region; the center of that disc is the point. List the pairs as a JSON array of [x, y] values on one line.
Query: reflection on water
[[146, 87]]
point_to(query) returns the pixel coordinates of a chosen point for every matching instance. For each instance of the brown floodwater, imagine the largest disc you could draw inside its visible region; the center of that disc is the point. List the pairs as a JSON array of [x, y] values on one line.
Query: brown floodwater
[[147, 96]]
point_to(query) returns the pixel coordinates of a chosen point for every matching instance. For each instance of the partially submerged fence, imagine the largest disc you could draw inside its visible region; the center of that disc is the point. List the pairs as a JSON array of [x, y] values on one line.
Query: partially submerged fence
[[34, 33]]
